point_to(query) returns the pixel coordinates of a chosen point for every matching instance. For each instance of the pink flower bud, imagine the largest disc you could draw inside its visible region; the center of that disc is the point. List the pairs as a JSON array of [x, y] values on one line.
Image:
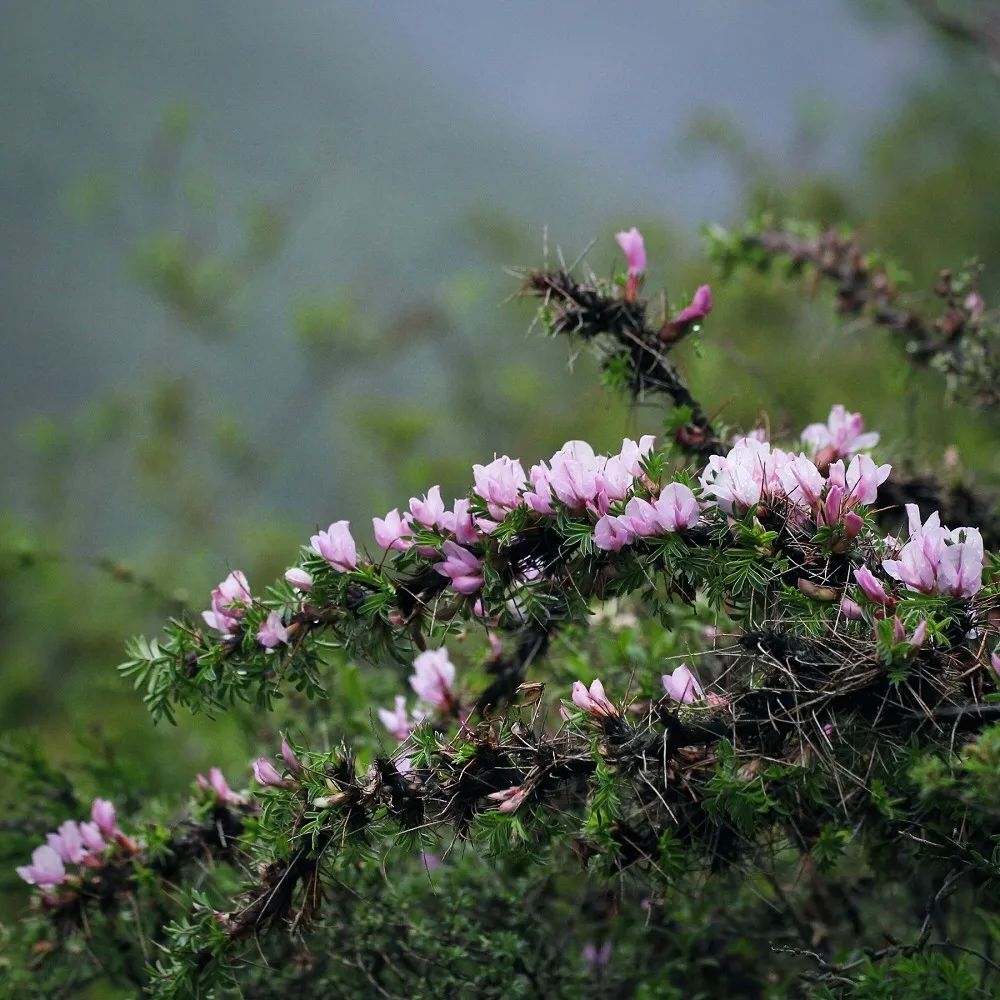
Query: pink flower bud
[[871, 588], [299, 579], [851, 609], [919, 635], [292, 762], [509, 799], [898, 632], [103, 814], [700, 307]]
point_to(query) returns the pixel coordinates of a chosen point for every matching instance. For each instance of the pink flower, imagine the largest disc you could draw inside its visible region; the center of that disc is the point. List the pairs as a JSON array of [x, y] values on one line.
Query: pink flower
[[92, 839], [851, 609], [398, 721], [288, 755], [229, 602], [677, 508], [462, 567], [539, 497], [640, 518], [682, 685], [272, 632], [611, 533], [46, 868], [433, 677], [509, 799], [633, 453], [393, 531], [593, 701], [919, 635], [219, 787], [995, 662], [429, 509], [336, 546], [802, 481], [461, 524], [500, 484], [871, 587], [739, 480], [842, 434], [861, 481], [634, 248], [700, 307], [102, 812], [67, 843], [267, 774], [596, 959], [573, 475], [299, 579], [936, 560]]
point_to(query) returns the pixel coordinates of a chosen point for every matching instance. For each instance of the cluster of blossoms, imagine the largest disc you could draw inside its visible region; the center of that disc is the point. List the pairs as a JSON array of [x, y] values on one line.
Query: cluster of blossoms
[[84, 844], [433, 681]]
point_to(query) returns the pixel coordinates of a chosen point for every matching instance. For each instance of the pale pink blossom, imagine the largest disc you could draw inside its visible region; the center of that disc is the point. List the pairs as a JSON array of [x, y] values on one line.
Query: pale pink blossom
[[843, 434], [46, 868], [272, 632], [500, 484], [682, 685], [801, 481], [974, 305], [938, 560], [509, 799], [299, 579], [67, 843], [398, 721], [336, 546], [633, 453], [860, 481], [92, 839], [919, 635], [611, 533], [217, 785], [460, 522], [433, 677], [995, 662], [677, 508], [102, 812], [393, 531], [851, 609], [593, 700], [462, 567], [539, 497], [428, 509], [750, 471], [229, 603], [640, 518]]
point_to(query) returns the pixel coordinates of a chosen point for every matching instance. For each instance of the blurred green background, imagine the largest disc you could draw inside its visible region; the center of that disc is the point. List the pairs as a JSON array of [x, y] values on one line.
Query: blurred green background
[[257, 269]]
